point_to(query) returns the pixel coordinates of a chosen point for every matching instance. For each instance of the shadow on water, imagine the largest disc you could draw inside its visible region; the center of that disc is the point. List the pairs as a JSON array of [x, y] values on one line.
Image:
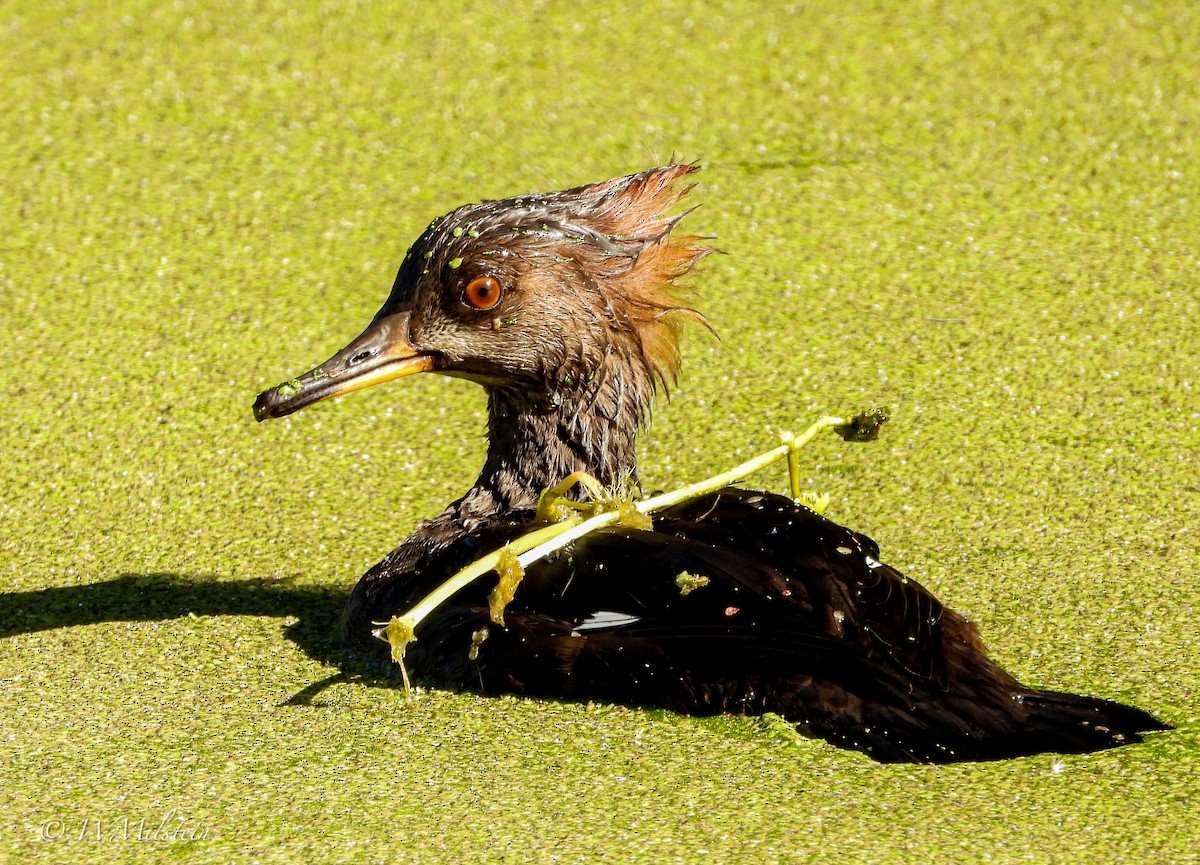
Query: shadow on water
[[160, 597]]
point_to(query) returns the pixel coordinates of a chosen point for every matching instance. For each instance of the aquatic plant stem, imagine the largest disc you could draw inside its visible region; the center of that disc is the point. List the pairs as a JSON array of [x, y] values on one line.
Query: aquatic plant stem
[[539, 543], [791, 444]]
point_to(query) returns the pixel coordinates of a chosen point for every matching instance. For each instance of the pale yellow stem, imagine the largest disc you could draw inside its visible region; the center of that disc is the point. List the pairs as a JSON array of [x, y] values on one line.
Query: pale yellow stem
[[539, 543], [552, 499], [738, 473], [481, 566]]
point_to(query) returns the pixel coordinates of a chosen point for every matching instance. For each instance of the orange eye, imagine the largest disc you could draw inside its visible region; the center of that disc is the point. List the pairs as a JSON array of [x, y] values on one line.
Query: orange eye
[[482, 292]]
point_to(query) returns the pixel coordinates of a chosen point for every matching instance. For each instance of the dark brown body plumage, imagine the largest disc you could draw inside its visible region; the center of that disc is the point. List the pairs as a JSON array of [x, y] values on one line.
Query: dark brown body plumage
[[563, 307]]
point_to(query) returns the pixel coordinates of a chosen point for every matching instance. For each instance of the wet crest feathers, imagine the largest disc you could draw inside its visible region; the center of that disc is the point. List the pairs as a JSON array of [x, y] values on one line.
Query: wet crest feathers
[[634, 260]]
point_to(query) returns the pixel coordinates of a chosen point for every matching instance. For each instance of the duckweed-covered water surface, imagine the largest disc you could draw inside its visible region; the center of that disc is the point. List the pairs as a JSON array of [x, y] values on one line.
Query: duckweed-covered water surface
[[982, 216]]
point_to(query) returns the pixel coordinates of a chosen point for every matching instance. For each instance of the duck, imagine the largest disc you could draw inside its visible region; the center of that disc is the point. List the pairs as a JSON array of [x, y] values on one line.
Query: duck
[[566, 307]]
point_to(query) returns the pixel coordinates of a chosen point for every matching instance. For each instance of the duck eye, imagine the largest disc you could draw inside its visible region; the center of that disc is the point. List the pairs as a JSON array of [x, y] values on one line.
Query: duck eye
[[482, 292]]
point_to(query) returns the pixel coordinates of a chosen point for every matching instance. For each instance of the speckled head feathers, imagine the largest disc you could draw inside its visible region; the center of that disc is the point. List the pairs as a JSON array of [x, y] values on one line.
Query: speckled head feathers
[[599, 257]]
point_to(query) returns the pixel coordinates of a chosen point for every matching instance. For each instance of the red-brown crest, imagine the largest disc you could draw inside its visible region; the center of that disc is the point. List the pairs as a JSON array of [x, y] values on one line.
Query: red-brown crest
[[637, 260]]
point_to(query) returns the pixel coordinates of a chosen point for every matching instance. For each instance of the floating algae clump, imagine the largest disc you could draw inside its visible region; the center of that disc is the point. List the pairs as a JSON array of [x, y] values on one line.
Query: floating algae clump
[[511, 573], [289, 388], [688, 583], [816, 502], [398, 633], [863, 427]]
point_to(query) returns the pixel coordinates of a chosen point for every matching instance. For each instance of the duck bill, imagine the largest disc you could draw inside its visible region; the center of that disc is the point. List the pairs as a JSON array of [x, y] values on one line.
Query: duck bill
[[380, 353]]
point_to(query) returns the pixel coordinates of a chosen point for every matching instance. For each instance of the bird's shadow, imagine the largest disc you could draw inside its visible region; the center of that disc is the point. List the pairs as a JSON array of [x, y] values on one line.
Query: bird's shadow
[[162, 596]]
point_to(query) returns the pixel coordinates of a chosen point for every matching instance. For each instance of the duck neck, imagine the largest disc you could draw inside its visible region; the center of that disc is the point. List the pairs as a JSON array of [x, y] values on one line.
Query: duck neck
[[536, 440]]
